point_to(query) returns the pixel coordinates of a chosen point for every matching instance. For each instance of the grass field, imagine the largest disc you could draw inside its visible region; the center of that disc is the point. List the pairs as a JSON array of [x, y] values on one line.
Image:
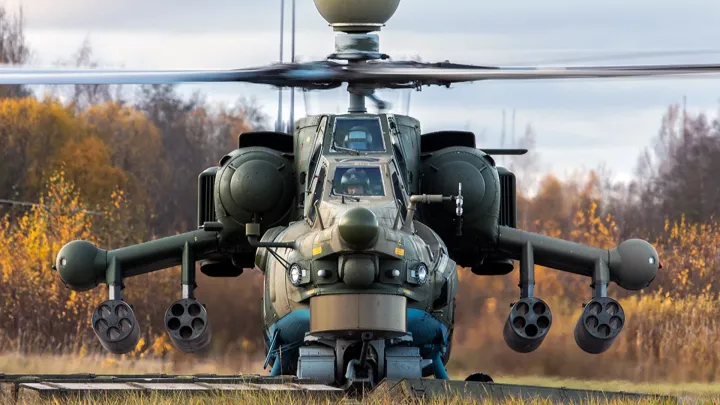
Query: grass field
[[11, 364]]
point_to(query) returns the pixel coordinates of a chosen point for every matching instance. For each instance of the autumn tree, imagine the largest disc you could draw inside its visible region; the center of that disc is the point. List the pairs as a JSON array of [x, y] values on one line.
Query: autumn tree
[[135, 148], [526, 167], [106, 148], [13, 49], [194, 136], [676, 177], [33, 133], [83, 96]]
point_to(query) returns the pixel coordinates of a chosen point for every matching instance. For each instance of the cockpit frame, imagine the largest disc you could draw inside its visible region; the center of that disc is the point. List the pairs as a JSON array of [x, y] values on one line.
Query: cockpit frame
[[323, 160], [330, 146]]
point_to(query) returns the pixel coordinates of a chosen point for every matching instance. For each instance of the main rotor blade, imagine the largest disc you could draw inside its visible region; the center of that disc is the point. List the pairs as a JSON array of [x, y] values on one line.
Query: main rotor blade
[[326, 74], [446, 73], [278, 74], [614, 56]]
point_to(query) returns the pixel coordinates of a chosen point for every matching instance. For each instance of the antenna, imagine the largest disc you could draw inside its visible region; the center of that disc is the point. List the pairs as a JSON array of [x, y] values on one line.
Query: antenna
[[407, 102], [305, 100], [291, 124], [512, 131], [502, 135], [278, 124], [684, 122]]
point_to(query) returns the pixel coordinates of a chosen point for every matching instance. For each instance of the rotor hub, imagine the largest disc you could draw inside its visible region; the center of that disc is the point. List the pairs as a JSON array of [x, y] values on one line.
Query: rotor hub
[[357, 47]]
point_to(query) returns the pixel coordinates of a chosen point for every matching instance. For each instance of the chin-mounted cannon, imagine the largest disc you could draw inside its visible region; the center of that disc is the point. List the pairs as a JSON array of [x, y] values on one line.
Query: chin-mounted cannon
[[632, 265]]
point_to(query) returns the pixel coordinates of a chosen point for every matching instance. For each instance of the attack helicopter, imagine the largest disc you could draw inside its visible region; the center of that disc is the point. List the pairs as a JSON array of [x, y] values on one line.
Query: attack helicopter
[[358, 221]]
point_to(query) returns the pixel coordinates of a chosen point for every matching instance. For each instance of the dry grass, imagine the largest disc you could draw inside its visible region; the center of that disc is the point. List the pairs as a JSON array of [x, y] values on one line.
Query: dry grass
[[277, 399], [17, 364], [13, 363]]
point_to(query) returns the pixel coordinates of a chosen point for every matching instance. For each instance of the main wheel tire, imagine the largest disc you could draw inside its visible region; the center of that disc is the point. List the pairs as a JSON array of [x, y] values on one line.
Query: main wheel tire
[[479, 377]]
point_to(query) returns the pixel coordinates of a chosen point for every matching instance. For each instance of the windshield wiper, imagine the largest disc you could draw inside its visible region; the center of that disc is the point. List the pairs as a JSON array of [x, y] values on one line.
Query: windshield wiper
[[344, 149], [348, 196]]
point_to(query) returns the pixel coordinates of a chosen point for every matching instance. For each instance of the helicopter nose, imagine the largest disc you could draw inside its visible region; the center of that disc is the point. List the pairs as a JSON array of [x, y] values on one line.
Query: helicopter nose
[[358, 227]]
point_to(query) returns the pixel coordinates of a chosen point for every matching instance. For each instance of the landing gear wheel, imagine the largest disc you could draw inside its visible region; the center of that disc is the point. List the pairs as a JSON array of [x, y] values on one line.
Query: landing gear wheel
[[479, 377]]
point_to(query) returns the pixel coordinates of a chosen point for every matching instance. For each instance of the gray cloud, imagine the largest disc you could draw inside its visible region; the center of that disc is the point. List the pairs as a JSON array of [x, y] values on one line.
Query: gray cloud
[[463, 16]]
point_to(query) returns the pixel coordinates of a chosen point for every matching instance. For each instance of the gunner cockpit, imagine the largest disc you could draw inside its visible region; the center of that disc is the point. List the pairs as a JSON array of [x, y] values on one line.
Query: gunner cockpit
[[358, 181]]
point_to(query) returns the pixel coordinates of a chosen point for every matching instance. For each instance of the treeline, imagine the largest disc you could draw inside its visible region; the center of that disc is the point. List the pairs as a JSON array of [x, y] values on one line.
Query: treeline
[[118, 168], [148, 141], [153, 149]]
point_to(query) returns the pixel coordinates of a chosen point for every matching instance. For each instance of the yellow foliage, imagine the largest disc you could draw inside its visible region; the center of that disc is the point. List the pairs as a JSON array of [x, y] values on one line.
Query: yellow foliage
[[32, 132], [136, 146], [87, 162], [107, 147], [161, 345], [690, 255], [32, 294]]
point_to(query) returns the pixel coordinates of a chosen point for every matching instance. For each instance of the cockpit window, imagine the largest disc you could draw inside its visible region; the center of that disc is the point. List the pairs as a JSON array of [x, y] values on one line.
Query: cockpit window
[[359, 181], [358, 134]]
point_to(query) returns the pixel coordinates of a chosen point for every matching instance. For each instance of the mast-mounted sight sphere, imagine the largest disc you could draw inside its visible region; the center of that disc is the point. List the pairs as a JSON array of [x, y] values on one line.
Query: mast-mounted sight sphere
[[357, 15]]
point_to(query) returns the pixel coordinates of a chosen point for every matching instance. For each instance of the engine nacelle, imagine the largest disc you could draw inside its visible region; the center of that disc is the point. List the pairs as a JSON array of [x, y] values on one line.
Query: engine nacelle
[[254, 182], [476, 171]]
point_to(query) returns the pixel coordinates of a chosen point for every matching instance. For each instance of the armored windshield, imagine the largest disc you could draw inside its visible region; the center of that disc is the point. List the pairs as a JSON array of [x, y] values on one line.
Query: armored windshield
[[359, 134], [359, 181]]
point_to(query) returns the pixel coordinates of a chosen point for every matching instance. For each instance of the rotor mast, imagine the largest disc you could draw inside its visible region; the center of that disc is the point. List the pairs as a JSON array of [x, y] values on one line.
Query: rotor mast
[[357, 41]]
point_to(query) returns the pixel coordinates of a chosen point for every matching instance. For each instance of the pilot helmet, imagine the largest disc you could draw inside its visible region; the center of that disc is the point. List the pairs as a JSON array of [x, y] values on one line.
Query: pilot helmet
[[358, 138], [355, 178]]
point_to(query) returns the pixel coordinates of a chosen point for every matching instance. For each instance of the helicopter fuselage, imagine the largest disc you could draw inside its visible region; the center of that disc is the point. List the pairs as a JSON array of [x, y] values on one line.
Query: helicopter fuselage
[[358, 271]]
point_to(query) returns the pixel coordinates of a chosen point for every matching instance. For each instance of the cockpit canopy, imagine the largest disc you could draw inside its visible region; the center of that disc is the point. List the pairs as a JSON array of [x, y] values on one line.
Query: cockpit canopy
[[363, 134], [358, 181]]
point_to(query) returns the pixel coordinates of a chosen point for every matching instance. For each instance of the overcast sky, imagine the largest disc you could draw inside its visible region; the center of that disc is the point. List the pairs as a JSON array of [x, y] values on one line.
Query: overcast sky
[[579, 123]]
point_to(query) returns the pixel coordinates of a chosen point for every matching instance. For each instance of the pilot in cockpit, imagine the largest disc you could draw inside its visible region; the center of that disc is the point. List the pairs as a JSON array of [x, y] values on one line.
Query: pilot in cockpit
[[358, 138], [355, 182]]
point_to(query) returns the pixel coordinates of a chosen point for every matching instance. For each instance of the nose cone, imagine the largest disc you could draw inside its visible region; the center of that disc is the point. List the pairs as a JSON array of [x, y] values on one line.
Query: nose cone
[[358, 227]]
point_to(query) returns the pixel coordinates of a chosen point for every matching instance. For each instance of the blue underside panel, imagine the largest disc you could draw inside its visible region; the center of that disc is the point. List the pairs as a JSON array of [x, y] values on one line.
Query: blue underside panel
[[429, 334]]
